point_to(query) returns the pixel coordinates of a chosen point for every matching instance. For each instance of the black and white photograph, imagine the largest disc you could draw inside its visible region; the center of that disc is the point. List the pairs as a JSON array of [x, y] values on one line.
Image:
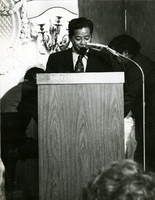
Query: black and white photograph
[[77, 99]]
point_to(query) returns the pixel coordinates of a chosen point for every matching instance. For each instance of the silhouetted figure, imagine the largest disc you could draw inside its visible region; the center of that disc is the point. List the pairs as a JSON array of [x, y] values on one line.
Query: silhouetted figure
[[18, 107], [130, 48]]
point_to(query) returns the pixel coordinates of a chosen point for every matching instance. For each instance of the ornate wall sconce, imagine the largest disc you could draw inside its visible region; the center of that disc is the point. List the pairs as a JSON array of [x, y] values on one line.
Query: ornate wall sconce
[[7, 10], [50, 38]]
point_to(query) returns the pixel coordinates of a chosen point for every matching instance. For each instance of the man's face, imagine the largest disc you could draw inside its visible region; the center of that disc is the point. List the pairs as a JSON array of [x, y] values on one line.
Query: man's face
[[121, 60], [80, 38]]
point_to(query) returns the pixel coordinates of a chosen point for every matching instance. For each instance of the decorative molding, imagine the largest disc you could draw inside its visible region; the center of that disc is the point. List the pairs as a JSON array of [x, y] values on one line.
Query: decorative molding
[[60, 7], [19, 34], [10, 26]]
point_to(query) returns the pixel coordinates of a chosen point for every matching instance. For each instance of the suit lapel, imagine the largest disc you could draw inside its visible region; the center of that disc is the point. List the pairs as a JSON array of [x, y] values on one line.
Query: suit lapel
[[97, 62], [91, 62], [68, 58]]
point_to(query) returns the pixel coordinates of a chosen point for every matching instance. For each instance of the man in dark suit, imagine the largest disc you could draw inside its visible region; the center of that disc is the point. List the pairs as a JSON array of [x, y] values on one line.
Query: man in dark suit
[[80, 33], [133, 101]]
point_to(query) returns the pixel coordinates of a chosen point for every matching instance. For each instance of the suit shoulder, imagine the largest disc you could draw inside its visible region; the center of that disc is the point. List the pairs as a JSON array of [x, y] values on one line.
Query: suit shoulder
[[57, 61], [102, 55], [60, 53]]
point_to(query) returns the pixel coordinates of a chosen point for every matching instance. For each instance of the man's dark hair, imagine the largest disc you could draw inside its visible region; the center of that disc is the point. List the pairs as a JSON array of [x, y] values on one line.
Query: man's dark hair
[[79, 23], [125, 43], [30, 75]]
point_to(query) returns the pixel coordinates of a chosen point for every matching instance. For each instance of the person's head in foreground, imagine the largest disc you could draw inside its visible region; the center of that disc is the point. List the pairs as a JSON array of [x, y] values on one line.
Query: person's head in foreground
[[80, 32], [121, 181], [31, 73]]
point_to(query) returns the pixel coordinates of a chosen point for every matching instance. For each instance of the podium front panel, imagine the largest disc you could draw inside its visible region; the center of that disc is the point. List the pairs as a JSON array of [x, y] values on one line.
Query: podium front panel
[[81, 129]]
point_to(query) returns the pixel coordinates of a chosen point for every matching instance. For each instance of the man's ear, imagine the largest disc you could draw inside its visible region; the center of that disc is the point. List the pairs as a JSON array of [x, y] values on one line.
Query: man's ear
[[91, 38], [125, 53]]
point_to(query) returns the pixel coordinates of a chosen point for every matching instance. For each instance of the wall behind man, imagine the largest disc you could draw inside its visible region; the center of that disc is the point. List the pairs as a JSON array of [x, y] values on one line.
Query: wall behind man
[[108, 18], [21, 43], [115, 17], [141, 24]]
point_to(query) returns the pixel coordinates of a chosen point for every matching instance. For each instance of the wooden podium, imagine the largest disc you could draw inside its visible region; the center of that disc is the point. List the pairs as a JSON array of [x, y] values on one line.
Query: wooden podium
[[81, 129]]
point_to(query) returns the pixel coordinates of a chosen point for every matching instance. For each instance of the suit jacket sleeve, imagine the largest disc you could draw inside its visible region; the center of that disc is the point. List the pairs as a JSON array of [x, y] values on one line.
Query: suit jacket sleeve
[[98, 62], [51, 66], [60, 62]]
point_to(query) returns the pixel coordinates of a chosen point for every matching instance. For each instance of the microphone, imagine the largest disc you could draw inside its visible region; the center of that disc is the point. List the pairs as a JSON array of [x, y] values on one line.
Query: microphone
[[96, 45], [102, 46], [82, 51]]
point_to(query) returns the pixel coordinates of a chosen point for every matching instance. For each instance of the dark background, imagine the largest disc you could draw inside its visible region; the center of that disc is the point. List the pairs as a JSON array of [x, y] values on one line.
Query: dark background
[[112, 18]]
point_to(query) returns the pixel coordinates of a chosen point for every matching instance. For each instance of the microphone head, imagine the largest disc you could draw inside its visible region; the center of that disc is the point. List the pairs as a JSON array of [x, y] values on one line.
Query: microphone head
[[89, 44], [82, 51], [95, 45]]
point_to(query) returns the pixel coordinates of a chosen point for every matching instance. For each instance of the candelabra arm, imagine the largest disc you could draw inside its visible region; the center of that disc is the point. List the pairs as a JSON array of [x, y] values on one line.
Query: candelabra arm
[[50, 40]]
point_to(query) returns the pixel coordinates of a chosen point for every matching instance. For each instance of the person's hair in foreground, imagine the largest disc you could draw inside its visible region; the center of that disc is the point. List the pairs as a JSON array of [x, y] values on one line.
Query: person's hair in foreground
[[123, 43], [121, 181], [79, 23]]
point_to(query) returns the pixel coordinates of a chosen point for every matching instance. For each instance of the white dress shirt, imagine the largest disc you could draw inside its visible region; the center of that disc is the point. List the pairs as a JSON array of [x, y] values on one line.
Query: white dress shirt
[[75, 58]]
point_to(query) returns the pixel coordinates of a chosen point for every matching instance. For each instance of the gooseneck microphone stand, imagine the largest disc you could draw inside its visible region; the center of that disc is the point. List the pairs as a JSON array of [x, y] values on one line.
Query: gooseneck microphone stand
[[100, 47], [143, 114], [143, 100]]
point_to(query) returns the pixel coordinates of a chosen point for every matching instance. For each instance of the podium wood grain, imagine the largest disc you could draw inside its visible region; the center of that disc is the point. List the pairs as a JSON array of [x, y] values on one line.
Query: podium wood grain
[[80, 131]]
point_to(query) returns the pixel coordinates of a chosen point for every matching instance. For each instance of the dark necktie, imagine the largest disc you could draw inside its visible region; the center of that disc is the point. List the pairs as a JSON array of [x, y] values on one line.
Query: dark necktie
[[79, 65]]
